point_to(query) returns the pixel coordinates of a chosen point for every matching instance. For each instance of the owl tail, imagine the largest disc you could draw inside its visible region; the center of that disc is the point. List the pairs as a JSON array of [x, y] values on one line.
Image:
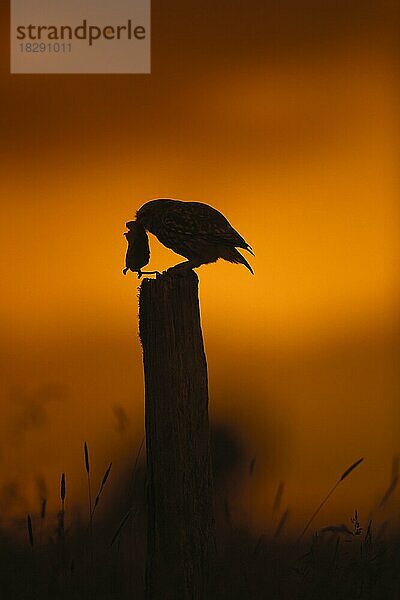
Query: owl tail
[[234, 256], [249, 249]]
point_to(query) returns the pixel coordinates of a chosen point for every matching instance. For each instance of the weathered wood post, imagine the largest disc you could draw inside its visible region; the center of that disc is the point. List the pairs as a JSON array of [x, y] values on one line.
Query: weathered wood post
[[180, 537]]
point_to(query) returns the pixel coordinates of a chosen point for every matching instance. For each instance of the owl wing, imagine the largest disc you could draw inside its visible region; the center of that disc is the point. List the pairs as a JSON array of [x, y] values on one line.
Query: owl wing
[[200, 221]]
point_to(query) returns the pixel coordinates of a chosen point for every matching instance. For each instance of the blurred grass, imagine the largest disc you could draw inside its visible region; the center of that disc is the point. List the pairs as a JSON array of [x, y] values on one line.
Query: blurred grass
[[62, 556]]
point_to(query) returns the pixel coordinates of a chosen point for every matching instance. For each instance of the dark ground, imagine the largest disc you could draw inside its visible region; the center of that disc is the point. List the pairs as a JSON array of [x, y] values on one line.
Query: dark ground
[[66, 561]]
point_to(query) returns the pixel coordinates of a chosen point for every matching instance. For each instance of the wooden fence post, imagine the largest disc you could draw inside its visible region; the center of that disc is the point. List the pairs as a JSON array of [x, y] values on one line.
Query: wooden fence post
[[180, 530]]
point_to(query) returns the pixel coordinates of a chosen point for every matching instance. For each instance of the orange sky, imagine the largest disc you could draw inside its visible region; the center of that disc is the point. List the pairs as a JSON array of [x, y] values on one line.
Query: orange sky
[[286, 121]]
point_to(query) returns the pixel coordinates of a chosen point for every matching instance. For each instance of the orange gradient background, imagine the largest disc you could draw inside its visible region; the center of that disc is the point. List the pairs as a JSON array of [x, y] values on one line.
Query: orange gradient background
[[285, 118]]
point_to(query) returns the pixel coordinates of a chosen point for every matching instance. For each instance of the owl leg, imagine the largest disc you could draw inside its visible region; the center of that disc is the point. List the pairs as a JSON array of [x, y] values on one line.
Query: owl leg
[[140, 273], [183, 267]]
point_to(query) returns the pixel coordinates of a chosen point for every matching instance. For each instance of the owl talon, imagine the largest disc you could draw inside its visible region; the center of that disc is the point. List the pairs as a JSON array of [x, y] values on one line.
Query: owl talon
[[139, 272], [149, 273]]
